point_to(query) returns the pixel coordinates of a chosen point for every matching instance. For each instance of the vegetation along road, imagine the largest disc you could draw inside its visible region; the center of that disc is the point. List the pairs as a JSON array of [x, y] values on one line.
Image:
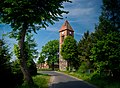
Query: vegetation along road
[[60, 80]]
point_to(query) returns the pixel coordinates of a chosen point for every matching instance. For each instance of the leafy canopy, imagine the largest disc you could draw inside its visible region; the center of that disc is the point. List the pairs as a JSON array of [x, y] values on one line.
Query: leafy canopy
[[69, 48], [69, 51], [31, 12], [50, 51]]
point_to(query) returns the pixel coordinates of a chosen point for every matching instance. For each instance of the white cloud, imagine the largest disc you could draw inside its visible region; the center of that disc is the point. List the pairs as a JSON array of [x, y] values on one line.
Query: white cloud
[[80, 11], [79, 34], [79, 8]]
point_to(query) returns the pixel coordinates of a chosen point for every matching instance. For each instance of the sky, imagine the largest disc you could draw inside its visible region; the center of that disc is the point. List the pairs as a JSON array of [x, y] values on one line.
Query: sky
[[82, 16]]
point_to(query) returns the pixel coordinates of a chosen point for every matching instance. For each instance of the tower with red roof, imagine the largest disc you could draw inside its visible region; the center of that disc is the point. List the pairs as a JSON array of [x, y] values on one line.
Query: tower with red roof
[[65, 30]]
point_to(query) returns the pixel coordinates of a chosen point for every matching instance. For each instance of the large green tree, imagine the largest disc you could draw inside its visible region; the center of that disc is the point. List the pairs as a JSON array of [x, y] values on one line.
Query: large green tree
[[105, 52], [50, 51], [23, 15], [69, 52]]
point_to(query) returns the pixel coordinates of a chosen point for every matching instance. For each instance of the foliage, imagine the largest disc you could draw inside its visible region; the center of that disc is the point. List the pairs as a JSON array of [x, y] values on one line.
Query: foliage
[[6, 76], [5, 55], [18, 76], [16, 13], [23, 15], [84, 47], [41, 58], [30, 53], [111, 11], [30, 44], [83, 67], [50, 52], [106, 53], [101, 48], [69, 52]]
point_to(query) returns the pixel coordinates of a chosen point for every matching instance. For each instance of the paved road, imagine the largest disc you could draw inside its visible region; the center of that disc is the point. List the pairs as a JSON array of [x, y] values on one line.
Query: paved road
[[60, 80]]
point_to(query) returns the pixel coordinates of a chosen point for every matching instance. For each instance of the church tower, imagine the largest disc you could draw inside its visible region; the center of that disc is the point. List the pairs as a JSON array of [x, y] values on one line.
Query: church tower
[[65, 30]]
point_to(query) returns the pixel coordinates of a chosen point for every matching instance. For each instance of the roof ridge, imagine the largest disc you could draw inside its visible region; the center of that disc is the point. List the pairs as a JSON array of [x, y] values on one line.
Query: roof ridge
[[66, 26]]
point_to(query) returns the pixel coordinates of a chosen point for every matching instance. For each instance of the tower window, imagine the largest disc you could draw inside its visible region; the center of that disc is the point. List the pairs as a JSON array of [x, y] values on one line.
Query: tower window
[[63, 32], [70, 33]]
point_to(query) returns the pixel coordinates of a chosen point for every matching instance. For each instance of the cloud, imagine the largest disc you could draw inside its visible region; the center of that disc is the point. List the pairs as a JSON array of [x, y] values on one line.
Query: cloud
[[79, 12], [82, 8], [81, 34]]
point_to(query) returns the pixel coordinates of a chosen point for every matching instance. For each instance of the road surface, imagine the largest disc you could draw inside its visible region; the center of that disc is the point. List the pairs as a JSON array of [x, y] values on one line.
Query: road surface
[[60, 80]]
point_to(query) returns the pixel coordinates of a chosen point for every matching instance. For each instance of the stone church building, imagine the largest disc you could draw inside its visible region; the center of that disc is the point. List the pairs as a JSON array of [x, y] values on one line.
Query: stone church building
[[65, 30]]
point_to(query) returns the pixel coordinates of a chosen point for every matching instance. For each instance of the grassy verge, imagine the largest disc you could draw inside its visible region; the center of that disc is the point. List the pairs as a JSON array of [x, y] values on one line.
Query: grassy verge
[[40, 81], [100, 82]]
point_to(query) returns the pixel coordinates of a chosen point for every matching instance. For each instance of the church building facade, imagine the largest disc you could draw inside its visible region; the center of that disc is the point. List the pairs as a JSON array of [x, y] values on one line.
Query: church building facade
[[65, 30]]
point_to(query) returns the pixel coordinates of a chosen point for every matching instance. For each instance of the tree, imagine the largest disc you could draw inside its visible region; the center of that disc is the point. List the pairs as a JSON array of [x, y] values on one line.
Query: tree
[[6, 76], [105, 51], [31, 44], [23, 15], [50, 51], [111, 11], [42, 58], [18, 76], [30, 53], [69, 52], [106, 54], [84, 46], [109, 19]]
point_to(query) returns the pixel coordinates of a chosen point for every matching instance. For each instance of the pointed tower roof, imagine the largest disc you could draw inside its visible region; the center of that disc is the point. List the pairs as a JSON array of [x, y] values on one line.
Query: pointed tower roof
[[66, 26]]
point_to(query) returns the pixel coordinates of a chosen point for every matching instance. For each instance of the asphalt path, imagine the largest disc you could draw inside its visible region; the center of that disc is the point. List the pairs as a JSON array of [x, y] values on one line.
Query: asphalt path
[[61, 80]]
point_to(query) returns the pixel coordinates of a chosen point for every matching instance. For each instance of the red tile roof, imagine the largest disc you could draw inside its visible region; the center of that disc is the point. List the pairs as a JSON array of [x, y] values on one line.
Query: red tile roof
[[66, 26]]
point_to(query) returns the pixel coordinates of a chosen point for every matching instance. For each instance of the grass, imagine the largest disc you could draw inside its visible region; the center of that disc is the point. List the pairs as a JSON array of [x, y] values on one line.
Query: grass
[[95, 79], [40, 81]]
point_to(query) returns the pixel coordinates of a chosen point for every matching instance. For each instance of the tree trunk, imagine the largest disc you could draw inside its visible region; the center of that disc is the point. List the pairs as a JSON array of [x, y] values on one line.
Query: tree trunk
[[53, 66], [23, 64], [68, 65]]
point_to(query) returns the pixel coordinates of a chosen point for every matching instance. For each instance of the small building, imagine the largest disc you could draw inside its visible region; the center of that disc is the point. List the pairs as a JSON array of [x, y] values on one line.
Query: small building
[[42, 66]]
